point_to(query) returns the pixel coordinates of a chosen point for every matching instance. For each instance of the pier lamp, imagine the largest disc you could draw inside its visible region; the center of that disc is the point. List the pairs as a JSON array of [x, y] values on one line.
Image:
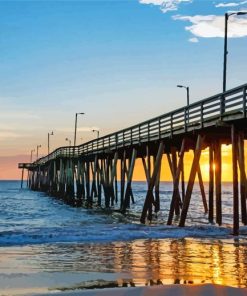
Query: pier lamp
[[188, 92], [31, 157], [76, 126], [49, 134], [67, 139], [227, 15], [38, 146], [97, 131]]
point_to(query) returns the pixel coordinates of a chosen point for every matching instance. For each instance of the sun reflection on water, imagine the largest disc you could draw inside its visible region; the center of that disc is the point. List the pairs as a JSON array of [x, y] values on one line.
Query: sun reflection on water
[[136, 263]]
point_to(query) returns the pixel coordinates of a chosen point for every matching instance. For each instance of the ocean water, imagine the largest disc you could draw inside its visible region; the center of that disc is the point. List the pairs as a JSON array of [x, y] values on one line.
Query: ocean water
[[46, 245]]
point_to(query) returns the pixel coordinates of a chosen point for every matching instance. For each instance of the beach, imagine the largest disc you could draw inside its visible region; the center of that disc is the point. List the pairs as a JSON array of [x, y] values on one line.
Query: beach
[[172, 290], [50, 247]]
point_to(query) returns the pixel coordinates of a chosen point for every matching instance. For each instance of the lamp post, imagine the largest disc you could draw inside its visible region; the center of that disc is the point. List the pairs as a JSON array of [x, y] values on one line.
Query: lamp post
[[31, 157], [68, 141], [225, 44], [188, 92], [97, 132], [76, 126], [38, 146], [188, 100], [49, 134]]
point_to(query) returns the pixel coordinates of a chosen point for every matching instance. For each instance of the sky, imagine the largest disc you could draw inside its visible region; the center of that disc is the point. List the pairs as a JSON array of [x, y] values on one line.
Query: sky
[[117, 61]]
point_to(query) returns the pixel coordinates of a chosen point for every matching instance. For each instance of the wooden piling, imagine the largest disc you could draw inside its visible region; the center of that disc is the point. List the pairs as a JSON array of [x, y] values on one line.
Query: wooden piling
[[243, 183], [126, 202], [218, 164], [194, 168], [211, 185], [204, 200], [235, 181], [149, 196], [175, 196]]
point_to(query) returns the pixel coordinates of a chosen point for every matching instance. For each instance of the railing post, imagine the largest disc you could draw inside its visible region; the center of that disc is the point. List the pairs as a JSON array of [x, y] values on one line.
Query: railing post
[[139, 134], [131, 136], [244, 101], [123, 139], [222, 105], [116, 140], [148, 131], [202, 115], [171, 124], [159, 130], [185, 119]]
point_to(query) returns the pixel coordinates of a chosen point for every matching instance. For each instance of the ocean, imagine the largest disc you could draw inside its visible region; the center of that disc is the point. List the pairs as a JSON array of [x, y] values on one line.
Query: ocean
[[48, 246]]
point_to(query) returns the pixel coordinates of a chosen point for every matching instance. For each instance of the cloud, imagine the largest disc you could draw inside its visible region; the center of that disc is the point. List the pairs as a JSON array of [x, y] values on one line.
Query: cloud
[[231, 4], [210, 26], [9, 135], [166, 5], [79, 129], [193, 40]]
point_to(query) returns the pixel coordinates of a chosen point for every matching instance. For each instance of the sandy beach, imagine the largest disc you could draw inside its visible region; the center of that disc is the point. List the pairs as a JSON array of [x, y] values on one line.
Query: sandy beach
[[168, 290]]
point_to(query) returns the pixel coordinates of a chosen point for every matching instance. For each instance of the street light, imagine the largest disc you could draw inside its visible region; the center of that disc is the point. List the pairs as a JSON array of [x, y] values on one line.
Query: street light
[[49, 134], [31, 157], [97, 132], [225, 44], [68, 141], [38, 146], [188, 92], [76, 126]]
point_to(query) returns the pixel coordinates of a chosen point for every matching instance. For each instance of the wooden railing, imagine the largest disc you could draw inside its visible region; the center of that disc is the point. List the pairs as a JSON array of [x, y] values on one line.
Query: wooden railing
[[194, 116]]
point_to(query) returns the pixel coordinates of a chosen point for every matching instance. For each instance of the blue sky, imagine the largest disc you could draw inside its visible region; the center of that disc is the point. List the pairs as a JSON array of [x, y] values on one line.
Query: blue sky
[[117, 61]]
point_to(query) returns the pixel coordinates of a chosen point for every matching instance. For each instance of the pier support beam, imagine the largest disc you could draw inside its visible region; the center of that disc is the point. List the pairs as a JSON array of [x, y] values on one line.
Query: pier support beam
[[243, 183], [218, 164], [235, 181], [211, 185], [175, 197], [194, 168], [149, 196]]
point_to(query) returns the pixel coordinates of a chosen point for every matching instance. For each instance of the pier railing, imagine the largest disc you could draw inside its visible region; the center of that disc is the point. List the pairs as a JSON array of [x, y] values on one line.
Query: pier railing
[[223, 106]]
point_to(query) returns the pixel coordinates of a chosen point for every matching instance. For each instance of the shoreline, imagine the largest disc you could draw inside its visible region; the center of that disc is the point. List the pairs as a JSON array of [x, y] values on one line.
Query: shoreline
[[163, 290]]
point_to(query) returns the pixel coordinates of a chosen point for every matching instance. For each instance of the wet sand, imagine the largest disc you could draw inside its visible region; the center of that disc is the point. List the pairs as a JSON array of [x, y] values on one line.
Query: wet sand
[[169, 290]]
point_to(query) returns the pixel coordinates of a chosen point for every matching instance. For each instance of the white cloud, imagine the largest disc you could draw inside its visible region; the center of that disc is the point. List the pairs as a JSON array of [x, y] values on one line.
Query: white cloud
[[209, 26], [193, 40], [231, 4], [166, 5]]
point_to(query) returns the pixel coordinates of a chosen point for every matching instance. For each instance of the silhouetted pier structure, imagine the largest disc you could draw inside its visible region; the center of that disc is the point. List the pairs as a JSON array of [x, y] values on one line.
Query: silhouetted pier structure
[[87, 174]]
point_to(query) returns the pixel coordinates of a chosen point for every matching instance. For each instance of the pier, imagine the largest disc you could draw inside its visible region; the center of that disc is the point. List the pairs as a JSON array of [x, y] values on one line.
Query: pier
[[88, 174]]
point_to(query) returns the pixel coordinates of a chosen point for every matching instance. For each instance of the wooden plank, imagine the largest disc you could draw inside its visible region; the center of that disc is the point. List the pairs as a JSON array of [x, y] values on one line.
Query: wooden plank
[[189, 189]]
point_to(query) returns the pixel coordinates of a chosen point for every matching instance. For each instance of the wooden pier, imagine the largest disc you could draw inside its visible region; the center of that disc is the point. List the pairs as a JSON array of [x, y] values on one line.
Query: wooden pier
[[88, 174]]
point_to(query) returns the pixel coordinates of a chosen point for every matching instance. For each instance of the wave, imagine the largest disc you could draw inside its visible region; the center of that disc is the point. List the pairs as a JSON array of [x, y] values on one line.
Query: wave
[[110, 233]]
